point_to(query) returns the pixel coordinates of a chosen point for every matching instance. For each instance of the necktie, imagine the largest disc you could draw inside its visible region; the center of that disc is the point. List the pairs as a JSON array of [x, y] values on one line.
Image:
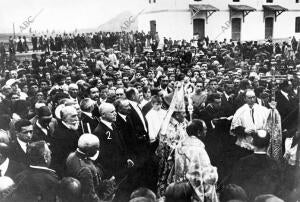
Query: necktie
[[252, 114]]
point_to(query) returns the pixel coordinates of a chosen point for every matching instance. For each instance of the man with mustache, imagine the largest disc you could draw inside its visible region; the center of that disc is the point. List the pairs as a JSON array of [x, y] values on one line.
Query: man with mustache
[[93, 93]]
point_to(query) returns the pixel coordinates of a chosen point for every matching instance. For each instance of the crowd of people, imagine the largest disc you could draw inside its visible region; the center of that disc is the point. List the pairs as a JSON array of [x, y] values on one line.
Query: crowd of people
[[82, 41], [119, 118]]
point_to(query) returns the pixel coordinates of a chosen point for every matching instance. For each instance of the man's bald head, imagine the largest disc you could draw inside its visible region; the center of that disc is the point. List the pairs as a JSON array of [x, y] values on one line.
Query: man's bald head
[[250, 97], [250, 92], [123, 106], [107, 112], [88, 141], [88, 144], [73, 86]]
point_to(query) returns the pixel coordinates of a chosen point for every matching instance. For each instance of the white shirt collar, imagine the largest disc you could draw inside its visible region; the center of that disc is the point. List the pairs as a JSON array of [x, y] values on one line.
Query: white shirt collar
[[43, 129], [133, 103], [89, 114], [74, 99], [22, 144], [226, 95], [4, 166], [260, 152], [65, 124], [285, 94], [108, 124], [42, 168], [103, 100], [253, 107], [122, 116]]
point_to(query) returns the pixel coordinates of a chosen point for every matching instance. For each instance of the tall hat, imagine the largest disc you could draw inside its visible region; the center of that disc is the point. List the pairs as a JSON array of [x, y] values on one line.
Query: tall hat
[[178, 98]]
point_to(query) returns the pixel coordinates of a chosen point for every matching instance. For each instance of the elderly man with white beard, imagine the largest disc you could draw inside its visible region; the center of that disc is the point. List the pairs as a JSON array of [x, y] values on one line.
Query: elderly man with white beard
[[65, 138]]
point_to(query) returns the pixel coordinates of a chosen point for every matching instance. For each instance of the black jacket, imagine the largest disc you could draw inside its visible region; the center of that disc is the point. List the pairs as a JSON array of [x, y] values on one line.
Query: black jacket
[[83, 169], [38, 134], [63, 142], [113, 155], [85, 120], [17, 154], [257, 174], [34, 184], [288, 110], [14, 168]]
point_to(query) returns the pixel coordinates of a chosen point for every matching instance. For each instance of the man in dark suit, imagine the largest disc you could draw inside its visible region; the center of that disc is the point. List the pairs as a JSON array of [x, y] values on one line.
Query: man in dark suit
[[8, 167], [65, 137], [227, 98], [113, 154], [88, 121], [123, 109], [80, 165], [18, 147], [258, 173], [287, 107], [160, 58], [34, 41], [93, 93], [137, 121], [38, 182], [139, 143], [41, 129]]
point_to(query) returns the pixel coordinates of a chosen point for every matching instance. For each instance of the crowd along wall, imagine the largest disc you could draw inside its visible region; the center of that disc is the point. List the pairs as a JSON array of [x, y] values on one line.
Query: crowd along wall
[[173, 19]]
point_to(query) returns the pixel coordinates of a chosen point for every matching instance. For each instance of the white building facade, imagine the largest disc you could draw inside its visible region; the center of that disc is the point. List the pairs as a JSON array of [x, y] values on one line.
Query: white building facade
[[222, 19]]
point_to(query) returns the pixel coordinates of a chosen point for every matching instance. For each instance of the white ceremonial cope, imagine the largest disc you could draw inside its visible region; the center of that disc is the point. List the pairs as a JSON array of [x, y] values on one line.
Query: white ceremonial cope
[[290, 152], [243, 117]]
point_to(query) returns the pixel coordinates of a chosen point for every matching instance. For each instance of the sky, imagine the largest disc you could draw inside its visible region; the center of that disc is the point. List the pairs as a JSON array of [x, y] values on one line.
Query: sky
[[61, 15]]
